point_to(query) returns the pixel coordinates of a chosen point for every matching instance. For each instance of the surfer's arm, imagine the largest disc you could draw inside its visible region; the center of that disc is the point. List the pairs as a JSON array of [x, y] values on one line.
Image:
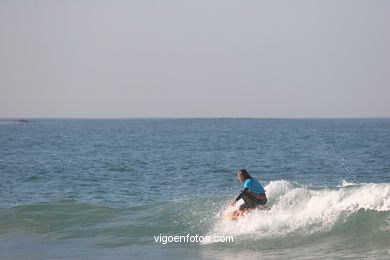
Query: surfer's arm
[[241, 193]]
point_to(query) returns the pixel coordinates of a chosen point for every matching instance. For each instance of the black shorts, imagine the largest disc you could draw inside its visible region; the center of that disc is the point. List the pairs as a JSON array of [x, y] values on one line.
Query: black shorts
[[251, 202]]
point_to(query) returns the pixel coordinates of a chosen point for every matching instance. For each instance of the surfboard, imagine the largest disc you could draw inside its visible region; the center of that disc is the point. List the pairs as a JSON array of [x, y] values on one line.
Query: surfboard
[[242, 213], [229, 215]]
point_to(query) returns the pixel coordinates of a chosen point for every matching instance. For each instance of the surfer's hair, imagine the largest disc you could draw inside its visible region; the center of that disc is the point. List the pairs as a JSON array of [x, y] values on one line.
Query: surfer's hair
[[244, 174]]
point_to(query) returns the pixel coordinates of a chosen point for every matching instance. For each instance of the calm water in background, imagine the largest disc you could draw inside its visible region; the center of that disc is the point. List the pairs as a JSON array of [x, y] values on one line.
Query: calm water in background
[[103, 188]]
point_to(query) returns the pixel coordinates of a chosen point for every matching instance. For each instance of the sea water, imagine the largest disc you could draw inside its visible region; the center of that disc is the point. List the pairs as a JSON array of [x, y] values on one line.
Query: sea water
[[105, 189]]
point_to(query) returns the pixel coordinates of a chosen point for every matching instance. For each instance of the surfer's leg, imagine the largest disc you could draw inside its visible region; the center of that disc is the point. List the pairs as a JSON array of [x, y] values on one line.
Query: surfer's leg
[[243, 206], [236, 213], [241, 212], [261, 204], [248, 202]]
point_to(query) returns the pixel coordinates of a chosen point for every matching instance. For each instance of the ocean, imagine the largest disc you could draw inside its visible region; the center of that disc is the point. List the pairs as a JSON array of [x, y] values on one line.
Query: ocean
[[115, 188]]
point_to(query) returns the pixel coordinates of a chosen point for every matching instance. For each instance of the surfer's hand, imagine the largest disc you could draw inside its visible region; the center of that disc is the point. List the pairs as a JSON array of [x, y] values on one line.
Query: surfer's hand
[[233, 203]]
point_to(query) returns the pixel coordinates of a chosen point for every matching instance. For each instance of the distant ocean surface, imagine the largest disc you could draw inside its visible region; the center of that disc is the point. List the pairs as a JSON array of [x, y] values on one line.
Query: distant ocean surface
[[102, 189]]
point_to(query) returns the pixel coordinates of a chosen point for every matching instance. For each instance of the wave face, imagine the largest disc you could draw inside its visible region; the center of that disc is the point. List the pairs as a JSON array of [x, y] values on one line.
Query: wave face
[[345, 220]]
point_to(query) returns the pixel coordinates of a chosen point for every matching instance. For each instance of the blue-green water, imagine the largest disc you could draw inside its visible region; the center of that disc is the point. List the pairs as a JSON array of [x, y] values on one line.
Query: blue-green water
[[102, 189]]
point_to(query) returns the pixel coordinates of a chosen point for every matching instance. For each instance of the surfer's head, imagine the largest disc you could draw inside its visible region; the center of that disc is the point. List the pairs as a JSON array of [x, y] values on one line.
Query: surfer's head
[[243, 175]]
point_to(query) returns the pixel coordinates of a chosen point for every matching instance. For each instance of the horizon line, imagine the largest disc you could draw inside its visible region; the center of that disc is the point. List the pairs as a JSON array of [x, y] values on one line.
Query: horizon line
[[204, 117]]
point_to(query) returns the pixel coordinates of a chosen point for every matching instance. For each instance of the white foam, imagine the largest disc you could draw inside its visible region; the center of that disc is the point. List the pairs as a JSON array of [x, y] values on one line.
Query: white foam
[[345, 183], [303, 209]]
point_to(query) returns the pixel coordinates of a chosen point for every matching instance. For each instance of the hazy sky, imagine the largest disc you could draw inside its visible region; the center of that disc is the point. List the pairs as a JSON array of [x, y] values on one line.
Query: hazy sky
[[194, 58]]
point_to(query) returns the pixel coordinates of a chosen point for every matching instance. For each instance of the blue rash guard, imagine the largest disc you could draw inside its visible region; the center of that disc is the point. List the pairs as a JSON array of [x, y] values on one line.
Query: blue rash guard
[[252, 186]]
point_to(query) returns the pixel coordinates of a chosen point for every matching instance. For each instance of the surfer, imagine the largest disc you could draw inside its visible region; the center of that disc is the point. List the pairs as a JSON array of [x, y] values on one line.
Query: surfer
[[253, 193]]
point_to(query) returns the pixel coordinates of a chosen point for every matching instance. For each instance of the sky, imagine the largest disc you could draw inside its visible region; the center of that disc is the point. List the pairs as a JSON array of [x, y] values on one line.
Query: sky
[[141, 59]]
